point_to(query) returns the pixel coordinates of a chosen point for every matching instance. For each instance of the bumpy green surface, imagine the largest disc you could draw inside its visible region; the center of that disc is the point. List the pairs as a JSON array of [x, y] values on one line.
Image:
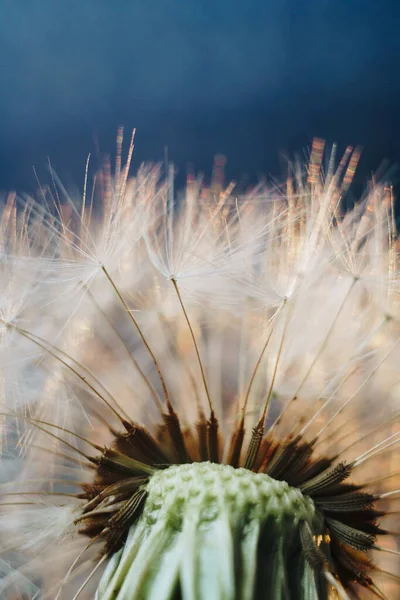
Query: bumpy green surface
[[212, 532]]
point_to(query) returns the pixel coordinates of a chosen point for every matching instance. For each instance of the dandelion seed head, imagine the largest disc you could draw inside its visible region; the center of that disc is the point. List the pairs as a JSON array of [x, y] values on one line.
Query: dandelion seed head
[[145, 337]]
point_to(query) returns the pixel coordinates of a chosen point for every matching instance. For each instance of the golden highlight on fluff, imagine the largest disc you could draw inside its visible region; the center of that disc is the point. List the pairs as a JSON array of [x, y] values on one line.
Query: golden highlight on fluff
[[200, 395]]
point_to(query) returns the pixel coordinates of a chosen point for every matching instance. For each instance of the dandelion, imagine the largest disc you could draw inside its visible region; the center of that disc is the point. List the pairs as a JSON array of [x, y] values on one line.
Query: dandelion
[[200, 397]]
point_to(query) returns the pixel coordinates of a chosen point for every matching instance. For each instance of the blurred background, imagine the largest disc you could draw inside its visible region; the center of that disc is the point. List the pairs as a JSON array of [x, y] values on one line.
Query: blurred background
[[253, 80]]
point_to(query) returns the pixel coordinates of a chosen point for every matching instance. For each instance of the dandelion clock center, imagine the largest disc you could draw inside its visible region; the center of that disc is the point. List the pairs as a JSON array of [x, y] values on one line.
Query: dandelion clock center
[[207, 525], [208, 491]]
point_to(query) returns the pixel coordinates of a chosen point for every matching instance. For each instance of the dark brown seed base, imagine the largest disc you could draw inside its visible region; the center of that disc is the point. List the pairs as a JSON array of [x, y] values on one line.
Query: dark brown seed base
[[347, 511]]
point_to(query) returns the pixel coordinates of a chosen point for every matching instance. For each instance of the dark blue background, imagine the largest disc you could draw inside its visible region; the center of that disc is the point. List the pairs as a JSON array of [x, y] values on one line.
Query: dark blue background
[[247, 78]]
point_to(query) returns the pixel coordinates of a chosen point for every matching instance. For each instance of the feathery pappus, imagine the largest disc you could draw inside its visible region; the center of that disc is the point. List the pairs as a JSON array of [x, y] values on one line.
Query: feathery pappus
[[200, 395]]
